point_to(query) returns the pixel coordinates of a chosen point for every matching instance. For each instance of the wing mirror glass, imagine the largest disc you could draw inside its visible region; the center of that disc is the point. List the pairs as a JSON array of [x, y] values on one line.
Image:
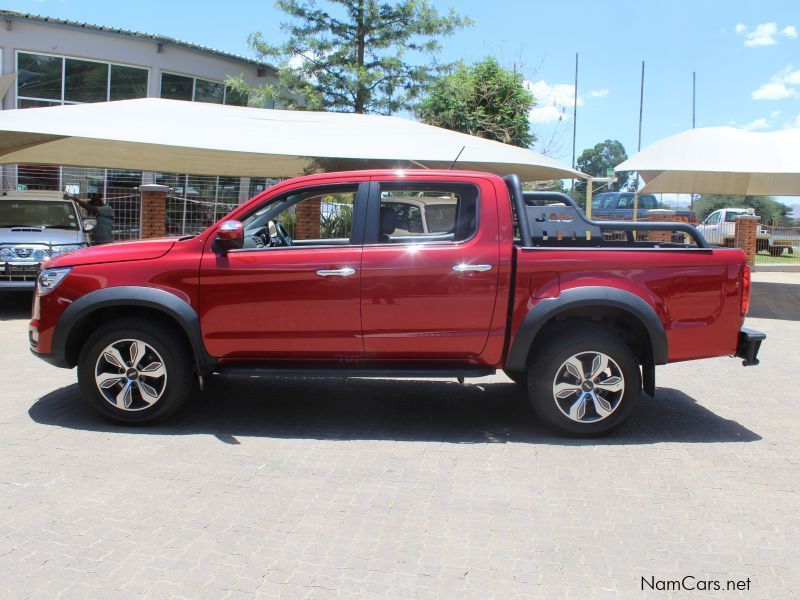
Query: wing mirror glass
[[230, 236]]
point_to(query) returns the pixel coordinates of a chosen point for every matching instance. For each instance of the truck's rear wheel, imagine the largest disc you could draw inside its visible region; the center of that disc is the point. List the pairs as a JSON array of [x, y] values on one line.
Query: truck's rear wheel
[[776, 250], [584, 382], [135, 372]]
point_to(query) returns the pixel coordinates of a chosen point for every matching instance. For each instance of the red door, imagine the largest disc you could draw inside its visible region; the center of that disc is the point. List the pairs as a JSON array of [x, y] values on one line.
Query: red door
[[290, 296], [430, 271]]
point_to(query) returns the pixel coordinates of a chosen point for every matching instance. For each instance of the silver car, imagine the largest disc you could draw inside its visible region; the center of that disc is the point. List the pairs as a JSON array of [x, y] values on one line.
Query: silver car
[[35, 225]]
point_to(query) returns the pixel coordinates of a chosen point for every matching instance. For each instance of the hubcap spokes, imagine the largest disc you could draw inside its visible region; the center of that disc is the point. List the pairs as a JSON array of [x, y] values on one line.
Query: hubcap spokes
[[588, 387], [130, 375]]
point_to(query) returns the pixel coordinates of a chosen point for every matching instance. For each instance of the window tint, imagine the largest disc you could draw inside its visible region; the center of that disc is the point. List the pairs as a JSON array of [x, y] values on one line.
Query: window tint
[[39, 76], [648, 201], [317, 217], [417, 213], [625, 201], [37, 213], [128, 82], [209, 91], [85, 81], [730, 217], [176, 87], [714, 218]]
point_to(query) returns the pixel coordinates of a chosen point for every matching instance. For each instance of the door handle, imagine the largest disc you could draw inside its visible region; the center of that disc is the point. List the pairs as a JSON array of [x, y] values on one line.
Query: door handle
[[463, 268], [343, 272]]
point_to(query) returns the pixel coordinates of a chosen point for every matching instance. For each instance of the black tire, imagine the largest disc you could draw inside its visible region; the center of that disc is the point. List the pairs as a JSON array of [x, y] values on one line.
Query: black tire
[[776, 250], [171, 348], [549, 362], [518, 377]]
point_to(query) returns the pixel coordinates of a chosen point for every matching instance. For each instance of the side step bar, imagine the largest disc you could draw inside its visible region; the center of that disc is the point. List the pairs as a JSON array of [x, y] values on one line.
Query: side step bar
[[348, 372]]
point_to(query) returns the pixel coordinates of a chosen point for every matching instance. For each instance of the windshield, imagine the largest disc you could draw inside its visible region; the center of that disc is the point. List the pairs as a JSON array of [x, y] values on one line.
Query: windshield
[[38, 213]]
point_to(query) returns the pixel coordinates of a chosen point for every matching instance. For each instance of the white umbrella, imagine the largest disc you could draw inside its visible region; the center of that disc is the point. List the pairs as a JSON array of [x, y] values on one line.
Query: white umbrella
[[721, 160], [152, 134]]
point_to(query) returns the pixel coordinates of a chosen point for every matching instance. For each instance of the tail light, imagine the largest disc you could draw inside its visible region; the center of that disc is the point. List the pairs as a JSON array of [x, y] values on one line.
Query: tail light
[[746, 285]]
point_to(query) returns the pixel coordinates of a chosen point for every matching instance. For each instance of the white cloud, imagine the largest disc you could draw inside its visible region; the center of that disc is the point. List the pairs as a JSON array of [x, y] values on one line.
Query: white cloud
[[757, 124], [764, 34], [780, 86], [775, 114], [773, 91], [554, 102]]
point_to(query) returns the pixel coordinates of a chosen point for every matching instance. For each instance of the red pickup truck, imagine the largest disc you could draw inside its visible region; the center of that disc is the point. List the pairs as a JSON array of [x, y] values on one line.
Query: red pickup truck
[[334, 275]]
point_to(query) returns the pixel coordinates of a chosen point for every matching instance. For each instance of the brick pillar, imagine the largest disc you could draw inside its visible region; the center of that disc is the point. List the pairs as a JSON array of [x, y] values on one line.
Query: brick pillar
[[307, 214], [745, 236], [153, 214], [660, 215]]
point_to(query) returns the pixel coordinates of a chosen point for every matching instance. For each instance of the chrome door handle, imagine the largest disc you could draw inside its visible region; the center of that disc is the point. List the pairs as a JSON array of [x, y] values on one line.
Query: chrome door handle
[[343, 272], [463, 268]]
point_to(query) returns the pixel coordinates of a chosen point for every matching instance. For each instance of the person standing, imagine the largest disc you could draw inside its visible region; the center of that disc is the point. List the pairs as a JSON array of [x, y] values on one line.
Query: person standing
[[103, 213]]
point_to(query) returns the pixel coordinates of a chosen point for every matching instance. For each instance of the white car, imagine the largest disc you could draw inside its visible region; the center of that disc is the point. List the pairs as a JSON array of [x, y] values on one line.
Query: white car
[[35, 225], [720, 226]]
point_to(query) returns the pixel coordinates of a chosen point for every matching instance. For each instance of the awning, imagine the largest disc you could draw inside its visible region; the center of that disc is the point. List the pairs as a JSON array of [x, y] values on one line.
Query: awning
[[153, 134], [721, 160]]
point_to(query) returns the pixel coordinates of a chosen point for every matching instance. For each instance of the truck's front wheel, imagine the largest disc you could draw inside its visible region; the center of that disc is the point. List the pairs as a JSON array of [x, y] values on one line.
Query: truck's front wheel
[[584, 382], [135, 372]]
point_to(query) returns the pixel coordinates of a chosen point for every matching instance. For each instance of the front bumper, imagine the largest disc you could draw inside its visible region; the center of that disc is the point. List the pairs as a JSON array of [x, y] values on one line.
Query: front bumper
[[749, 345], [18, 275]]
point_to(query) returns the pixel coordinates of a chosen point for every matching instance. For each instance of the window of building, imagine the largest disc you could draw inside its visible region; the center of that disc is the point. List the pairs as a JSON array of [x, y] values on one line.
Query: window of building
[[182, 87], [85, 81], [176, 87], [51, 80], [39, 76], [127, 83], [209, 91], [427, 213]]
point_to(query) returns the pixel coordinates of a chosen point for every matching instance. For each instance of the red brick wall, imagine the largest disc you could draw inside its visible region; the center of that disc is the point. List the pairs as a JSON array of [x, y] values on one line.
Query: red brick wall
[[745, 236], [660, 216], [308, 217], [153, 217]]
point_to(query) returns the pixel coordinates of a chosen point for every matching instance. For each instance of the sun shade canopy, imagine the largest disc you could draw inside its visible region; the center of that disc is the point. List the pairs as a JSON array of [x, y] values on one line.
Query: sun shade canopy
[[721, 160], [153, 134]]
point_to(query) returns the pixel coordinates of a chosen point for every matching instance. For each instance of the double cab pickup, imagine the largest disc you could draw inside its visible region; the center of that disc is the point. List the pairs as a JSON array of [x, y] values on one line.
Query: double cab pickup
[[335, 275]]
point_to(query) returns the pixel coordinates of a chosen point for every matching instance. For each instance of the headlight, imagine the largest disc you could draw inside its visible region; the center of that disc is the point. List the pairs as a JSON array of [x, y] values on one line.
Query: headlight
[[64, 249], [50, 278], [39, 255], [6, 254]]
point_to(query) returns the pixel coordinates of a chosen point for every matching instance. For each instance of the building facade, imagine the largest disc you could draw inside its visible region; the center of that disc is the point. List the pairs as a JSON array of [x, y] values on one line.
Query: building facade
[[64, 62]]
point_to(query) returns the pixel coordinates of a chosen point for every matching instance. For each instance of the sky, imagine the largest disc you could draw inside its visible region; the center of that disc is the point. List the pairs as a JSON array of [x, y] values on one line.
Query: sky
[[746, 55]]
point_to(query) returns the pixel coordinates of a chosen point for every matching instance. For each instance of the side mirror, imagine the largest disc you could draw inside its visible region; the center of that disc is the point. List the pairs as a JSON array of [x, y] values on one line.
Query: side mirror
[[89, 224], [230, 236]]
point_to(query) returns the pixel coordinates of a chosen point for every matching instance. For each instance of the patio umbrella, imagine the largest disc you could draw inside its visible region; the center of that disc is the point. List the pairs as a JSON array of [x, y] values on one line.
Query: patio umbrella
[[721, 160], [5, 84], [153, 134]]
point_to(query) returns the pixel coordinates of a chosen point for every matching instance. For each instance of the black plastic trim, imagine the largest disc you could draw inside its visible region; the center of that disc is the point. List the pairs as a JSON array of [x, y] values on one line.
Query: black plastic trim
[[155, 298], [518, 203], [351, 372], [749, 345], [590, 296]]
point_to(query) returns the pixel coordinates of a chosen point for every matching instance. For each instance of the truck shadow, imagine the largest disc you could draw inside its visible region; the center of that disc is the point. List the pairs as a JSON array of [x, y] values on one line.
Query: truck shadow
[[404, 410], [775, 301], [15, 305]]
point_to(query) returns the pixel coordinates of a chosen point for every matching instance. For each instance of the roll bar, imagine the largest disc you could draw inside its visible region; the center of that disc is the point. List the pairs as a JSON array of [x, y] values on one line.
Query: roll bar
[[518, 201]]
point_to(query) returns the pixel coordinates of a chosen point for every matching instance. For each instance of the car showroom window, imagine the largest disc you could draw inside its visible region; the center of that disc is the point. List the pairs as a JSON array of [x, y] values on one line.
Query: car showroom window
[[303, 218], [426, 213]]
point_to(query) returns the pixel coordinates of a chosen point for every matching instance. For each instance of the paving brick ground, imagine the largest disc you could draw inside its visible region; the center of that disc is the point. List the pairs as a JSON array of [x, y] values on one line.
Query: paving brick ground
[[401, 489]]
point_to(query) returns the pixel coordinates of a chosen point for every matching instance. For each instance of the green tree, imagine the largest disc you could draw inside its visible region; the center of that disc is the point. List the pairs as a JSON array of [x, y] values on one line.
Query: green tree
[[353, 55], [765, 207], [483, 99]]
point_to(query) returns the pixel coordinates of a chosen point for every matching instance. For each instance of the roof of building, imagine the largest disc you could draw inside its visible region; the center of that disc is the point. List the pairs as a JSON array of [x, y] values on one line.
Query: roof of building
[[10, 15]]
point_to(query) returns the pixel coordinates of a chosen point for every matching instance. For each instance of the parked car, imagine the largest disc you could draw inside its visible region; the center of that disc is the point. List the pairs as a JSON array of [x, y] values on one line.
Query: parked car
[[34, 226], [618, 206], [720, 226], [580, 322]]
